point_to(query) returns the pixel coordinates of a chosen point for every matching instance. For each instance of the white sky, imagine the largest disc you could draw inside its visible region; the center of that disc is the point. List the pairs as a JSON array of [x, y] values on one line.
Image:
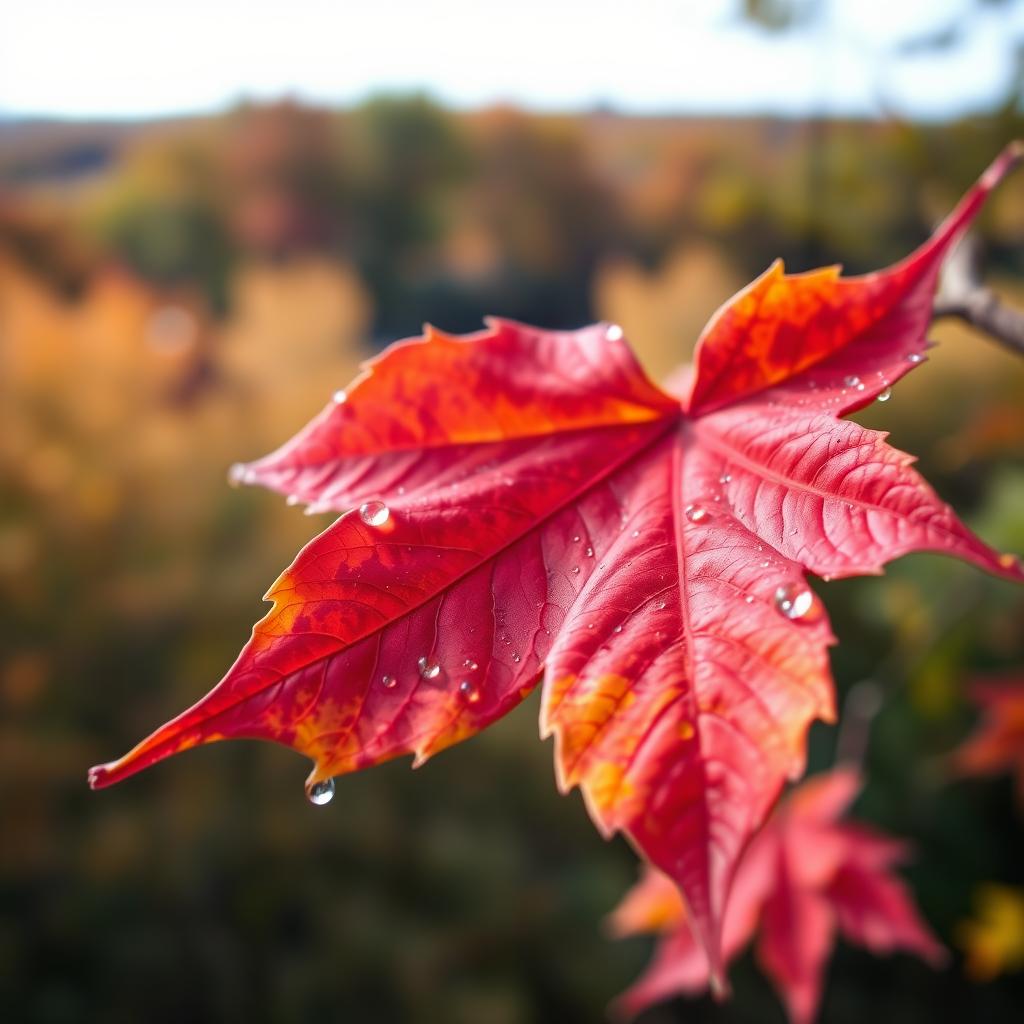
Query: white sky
[[127, 58]]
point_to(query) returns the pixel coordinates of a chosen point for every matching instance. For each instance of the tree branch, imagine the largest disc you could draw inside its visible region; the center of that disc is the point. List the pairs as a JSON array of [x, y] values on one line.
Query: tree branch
[[983, 309], [963, 295]]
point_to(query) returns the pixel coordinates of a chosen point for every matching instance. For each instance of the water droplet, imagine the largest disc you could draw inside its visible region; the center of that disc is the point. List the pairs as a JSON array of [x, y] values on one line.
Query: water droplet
[[516, 658], [915, 357], [614, 333], [590, 625], [794, 600], [851, 381], [695, 513], [617, 629], [388, 682], [885, 394], [429, 669], [374, 513], [749, 599], [860, 387], [660, 605], [321, 792], [725, 478], [469, 693], [576, 538], [470, 664], [292, 499], [635, 533], [575, 570], [590, 552], [238, 474], [765, 564], [339, 397]]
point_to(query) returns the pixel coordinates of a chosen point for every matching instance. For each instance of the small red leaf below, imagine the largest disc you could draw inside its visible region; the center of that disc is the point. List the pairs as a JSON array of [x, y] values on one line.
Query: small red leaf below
[[806, 875]]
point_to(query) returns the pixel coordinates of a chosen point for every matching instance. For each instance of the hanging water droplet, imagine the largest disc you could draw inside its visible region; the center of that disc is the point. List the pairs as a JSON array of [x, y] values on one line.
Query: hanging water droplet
[[388, 682], [885, 394], [374, 513], [725, 478], [915, 357], [469, 693], [321, 792], [695, 513], [794, 601], [614, 333], [238, 475], [340, 397], [851, 381], [429, 669]]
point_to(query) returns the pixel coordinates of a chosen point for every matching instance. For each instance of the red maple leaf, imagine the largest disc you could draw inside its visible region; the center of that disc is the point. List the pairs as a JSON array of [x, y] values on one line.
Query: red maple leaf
[[522, 504], [805, 875], [997, 745]]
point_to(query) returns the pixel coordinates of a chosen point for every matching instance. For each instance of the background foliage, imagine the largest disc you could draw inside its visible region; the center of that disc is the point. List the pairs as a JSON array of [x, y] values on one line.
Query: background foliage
[[178, 295]]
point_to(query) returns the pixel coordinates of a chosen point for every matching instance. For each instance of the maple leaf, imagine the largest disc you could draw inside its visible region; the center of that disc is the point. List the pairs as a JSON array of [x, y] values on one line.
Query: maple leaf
[[522, 504], [997, 744], [805, 875]]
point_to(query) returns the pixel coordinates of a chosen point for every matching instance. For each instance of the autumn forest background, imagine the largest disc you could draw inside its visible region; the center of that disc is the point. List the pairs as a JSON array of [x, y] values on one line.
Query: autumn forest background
[[179, 294]]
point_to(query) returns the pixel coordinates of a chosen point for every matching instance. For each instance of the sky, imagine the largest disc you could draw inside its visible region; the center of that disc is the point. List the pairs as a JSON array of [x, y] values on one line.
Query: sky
[[127, 58]]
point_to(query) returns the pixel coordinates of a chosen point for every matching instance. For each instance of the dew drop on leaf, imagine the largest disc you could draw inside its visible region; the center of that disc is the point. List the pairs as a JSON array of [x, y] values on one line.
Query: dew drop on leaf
[[885, 394], [374, 513], [321, 792], [429, 669], [794, 601]]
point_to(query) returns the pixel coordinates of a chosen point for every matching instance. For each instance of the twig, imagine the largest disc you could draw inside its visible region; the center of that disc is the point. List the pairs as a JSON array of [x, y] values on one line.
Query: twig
[[983, 309], [964, 296]]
